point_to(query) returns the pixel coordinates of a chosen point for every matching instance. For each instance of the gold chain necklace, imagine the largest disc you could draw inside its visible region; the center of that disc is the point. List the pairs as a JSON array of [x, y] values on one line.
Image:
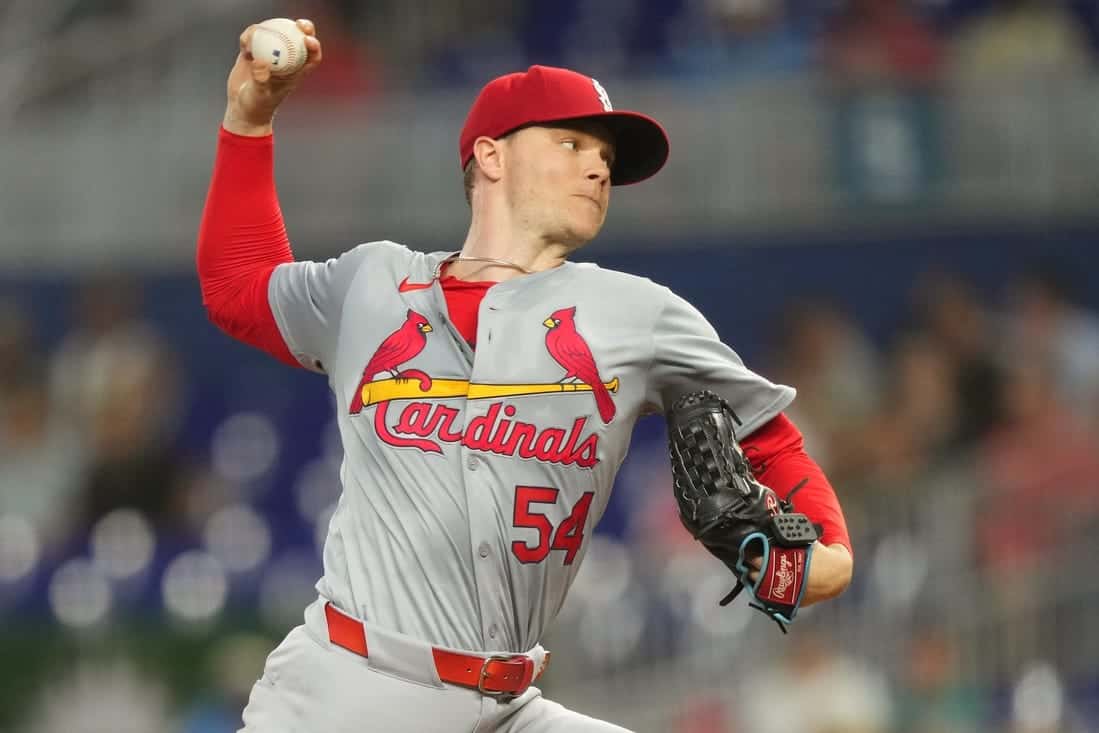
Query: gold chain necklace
[[489, 260]]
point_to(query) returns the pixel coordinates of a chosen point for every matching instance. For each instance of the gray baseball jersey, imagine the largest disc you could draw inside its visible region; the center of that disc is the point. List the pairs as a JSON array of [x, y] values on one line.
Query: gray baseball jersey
[[472, 479]]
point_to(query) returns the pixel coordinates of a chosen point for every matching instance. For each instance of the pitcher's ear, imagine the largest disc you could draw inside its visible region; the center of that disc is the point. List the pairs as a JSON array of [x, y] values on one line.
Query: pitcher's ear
[[489, 154]]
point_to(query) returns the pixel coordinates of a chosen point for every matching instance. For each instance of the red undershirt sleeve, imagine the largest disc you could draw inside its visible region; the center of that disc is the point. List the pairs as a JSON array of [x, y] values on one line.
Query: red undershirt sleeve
[[776, 451], [241, 239]]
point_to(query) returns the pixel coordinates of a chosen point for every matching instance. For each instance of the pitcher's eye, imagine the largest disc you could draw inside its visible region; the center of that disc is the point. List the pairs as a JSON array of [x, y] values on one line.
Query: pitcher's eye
[[572, 144]]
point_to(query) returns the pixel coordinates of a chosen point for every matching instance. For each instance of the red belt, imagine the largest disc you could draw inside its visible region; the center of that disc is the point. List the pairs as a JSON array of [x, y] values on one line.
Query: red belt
[[502, 676]]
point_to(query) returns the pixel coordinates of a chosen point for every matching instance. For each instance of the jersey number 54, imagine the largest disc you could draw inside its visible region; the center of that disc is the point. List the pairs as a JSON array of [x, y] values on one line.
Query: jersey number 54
[[567, 536]]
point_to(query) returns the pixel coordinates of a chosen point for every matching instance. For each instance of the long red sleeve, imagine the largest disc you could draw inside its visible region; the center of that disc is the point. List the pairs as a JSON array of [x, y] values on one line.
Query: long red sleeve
[[777, 454], [241, 240]]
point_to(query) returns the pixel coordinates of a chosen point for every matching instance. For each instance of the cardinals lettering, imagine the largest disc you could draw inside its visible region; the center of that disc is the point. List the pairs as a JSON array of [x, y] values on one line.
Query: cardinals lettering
[[426, 424], [425, 427]]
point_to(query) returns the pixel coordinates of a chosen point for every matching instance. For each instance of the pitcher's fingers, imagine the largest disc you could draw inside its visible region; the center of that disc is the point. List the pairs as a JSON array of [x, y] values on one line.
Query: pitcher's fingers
[[306, 26], [246, 42], [261, 71], [313, 47]]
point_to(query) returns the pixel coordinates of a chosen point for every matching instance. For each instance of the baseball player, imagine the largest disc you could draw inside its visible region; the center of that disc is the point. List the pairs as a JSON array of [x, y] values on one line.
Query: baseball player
[[485, 400]]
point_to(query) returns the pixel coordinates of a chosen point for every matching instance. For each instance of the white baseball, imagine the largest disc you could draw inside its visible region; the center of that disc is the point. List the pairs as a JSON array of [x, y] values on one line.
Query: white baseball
[[280, 42]]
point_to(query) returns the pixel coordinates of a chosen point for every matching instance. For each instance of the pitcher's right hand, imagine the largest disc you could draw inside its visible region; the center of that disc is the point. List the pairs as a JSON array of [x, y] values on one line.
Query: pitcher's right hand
[[254, 93]]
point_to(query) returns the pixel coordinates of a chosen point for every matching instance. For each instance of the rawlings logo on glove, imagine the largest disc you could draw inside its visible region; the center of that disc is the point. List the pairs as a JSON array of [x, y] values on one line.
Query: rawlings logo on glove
[[783, 578], [739, 520]]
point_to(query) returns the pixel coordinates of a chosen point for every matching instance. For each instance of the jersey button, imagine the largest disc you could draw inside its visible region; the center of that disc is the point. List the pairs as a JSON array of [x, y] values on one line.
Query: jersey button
[[492, 631], [472, 462], [483, 549]]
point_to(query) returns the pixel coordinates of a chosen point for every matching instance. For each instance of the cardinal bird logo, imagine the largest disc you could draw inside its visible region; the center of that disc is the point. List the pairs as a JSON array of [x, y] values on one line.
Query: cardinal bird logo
[[570, 350], [398, 347]]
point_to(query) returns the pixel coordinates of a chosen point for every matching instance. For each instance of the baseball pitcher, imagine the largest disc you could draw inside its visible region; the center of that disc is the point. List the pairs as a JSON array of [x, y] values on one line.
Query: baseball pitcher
[[485, 400]]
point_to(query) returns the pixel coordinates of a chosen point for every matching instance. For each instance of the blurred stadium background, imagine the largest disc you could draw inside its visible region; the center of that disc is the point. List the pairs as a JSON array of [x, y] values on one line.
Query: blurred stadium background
[[889, 205]]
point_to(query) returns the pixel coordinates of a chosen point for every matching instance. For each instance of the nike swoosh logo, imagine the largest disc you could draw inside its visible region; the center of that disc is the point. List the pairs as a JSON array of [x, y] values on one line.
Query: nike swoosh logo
[[405, 286]]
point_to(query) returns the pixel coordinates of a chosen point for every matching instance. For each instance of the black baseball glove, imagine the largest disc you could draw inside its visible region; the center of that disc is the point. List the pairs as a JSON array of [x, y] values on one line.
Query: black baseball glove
[[738, 519]]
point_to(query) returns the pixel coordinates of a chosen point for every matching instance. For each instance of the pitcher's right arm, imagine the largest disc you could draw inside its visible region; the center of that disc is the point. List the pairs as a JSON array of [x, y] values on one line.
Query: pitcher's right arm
[[242, 237]]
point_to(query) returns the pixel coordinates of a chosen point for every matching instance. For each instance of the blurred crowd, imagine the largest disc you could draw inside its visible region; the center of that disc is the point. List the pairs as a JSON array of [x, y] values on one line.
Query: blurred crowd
[[1015, 387], [91, 424], [434, 43], [111, 522]]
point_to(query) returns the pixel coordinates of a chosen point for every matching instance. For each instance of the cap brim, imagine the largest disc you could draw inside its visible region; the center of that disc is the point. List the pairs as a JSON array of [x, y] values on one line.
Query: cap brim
[[640, 143]]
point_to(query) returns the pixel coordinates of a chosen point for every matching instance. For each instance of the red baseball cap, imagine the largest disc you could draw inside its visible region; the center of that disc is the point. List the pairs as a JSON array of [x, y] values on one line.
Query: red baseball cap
[[545, 94]]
